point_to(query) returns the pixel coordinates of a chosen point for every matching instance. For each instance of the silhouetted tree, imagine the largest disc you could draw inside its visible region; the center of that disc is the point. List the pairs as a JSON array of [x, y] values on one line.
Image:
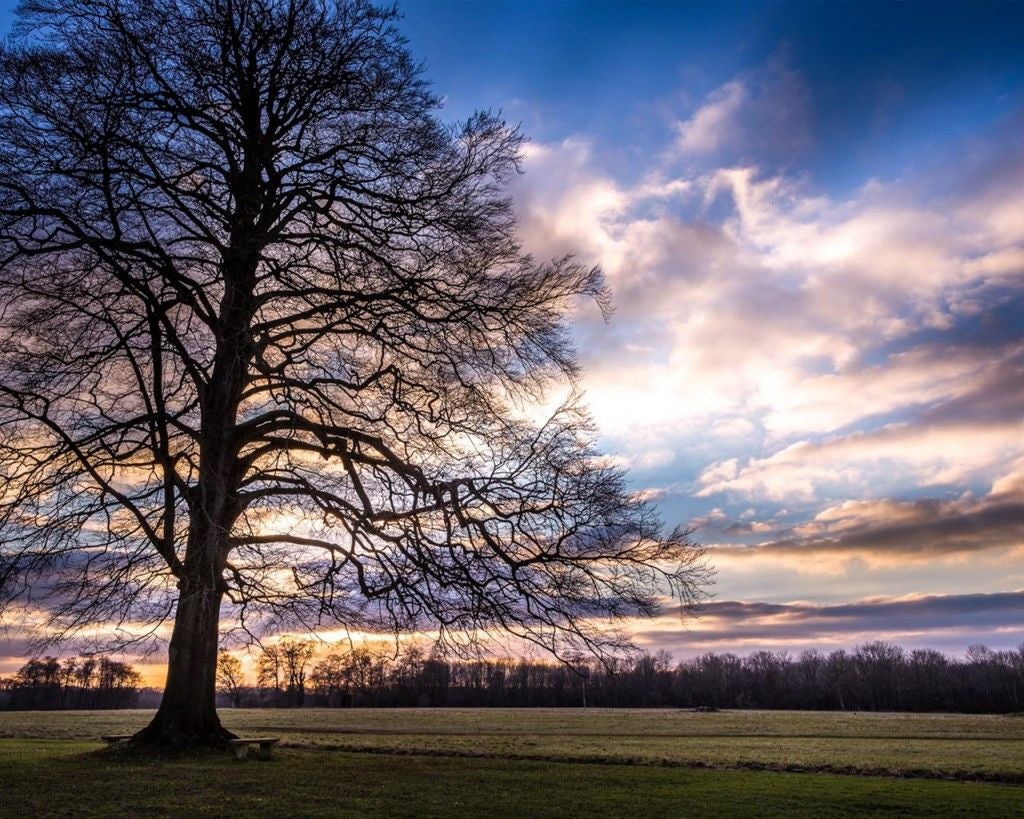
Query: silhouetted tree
[[928, 680], [878, 666], [281, 670], [266, 333], [229, 677], [985, 681], [47, 683], [329, 683], [84, 673]]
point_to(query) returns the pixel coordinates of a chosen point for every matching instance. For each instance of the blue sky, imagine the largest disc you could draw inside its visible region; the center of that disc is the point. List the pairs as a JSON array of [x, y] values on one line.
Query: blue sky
[[887, 87], [812, 218]]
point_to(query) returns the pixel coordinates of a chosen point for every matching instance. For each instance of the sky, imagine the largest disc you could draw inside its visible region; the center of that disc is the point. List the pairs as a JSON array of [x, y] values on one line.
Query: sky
[[812, 220]]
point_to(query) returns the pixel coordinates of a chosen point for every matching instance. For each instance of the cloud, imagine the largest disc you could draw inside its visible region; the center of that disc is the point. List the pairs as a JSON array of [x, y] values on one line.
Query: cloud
[[855, 357], [870, 463], [942, 621], [645, 460], [761, 114], [714, 122], [900, 530], [940, 381], [816, 342]]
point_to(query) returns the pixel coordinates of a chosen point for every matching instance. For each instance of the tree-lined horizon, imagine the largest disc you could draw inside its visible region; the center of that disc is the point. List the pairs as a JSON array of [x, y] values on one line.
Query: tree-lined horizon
[[874, 676], [268, 338], [296, 673]]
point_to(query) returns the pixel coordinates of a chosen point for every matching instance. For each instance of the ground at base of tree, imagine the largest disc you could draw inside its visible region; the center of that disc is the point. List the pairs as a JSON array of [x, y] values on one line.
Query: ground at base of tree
[[53, 777], [920, 746]]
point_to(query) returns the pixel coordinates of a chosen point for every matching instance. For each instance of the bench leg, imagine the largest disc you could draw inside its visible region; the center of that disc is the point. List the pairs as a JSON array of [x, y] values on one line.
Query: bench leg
[[264, 751], [241, 751]]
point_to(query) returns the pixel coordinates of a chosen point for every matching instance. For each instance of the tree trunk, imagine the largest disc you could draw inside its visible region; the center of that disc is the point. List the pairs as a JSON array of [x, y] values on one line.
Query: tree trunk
[[187, 716]]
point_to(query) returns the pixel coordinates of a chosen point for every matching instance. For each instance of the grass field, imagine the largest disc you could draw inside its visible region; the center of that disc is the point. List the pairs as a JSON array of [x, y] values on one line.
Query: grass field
[[535, 762]]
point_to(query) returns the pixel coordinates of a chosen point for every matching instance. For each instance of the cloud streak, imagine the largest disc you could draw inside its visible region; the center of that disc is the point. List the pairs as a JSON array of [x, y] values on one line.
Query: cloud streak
[[917, 529], [933, 620]]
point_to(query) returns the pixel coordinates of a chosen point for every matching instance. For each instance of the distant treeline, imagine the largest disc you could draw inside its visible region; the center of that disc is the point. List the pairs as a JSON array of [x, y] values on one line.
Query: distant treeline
[[876, 676], [49, 683]]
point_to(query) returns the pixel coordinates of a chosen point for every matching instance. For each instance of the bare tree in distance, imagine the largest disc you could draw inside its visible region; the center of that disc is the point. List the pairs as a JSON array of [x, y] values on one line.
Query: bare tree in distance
[[268, 339], [282, 669], [230, 679]]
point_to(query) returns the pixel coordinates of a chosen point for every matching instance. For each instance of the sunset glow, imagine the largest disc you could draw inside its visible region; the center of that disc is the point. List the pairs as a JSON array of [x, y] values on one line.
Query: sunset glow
[[811, 218]]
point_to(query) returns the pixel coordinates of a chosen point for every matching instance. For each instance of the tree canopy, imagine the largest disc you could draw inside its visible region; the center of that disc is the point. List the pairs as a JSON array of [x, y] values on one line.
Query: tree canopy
[[267, 334]]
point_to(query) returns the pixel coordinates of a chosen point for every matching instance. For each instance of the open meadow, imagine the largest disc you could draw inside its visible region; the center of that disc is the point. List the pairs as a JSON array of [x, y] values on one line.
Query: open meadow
[[497, 762]]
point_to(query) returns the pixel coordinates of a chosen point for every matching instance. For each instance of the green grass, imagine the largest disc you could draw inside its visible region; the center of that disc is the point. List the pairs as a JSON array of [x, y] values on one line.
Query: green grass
[[931, 745], [48, 777], [515, 763]]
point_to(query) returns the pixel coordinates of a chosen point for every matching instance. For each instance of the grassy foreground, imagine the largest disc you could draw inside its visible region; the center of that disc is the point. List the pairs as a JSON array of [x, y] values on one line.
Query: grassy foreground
[[929, 745], [514, 763], [47, 777]]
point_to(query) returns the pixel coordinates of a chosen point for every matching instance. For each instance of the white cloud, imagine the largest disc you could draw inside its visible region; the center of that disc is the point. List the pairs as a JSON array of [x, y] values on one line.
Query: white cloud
[[764, 319], [866, 464], [647, 459], [760, 113], [714, 122], [791, 347]]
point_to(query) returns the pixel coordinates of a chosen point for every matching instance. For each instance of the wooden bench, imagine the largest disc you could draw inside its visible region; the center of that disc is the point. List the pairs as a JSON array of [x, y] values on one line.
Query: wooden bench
[[265, 745], [110, 739]]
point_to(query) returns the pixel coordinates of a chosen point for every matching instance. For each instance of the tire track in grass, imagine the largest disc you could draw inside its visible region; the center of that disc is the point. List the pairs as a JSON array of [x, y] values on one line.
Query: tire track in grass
[[442, 732], [991, 777]]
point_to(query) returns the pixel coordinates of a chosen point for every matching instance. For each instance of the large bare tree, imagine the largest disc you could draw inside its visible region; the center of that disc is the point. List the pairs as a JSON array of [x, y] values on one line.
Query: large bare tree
[[267, 334]]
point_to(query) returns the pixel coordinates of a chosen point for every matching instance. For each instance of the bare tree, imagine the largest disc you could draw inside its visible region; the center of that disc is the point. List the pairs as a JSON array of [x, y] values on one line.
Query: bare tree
[[47, 683], [270, 671], [229, 677], [328, 680], [267, 334], [281, 670], [295, 656]]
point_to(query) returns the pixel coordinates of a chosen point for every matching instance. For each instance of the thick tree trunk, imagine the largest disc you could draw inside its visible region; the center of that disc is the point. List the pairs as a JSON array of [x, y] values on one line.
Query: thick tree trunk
[[187, 716]]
